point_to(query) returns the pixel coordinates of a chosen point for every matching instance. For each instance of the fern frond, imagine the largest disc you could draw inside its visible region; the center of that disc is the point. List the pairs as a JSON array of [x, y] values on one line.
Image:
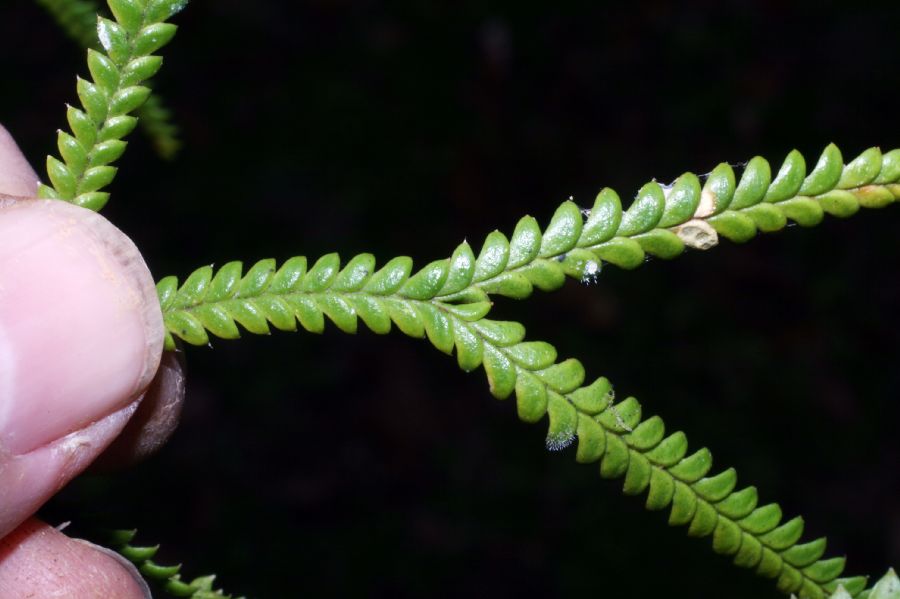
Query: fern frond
[[138, 31], [663, 220], [165, 577]]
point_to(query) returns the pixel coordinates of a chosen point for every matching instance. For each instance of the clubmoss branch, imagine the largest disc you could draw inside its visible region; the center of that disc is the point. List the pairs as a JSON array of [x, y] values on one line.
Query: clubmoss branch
[[78, 19], [165, 578], [139, 30]]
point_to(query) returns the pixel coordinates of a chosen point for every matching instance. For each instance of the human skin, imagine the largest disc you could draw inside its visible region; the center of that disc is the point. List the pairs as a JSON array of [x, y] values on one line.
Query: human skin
[[80, 344]]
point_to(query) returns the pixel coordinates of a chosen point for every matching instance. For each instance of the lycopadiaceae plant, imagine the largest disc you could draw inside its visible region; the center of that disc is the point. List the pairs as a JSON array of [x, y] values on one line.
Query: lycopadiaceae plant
[[449, 301]]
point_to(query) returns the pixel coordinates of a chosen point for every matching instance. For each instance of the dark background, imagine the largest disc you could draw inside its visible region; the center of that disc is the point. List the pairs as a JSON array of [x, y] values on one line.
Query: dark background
[[371, 466]]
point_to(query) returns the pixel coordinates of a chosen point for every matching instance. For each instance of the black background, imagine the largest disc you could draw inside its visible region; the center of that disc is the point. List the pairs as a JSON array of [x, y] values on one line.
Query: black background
[[371, 466]]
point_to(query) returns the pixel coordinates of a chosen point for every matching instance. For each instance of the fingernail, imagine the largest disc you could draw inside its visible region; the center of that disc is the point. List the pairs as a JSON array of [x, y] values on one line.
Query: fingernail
[[80, 325]]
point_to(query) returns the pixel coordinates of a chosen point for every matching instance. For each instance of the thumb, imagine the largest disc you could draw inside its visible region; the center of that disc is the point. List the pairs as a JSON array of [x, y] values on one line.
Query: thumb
[[80, 339]]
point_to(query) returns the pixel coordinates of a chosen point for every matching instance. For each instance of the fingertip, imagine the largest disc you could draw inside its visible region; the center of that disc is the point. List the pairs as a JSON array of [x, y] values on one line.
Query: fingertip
[[17, 178], [36, 560]]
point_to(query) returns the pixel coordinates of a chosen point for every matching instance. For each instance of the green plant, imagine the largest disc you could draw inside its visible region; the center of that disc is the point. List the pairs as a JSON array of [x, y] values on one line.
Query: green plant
[[448, 301]]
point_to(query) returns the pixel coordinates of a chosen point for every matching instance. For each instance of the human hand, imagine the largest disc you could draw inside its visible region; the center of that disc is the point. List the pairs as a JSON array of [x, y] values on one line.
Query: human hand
[[80, 343]]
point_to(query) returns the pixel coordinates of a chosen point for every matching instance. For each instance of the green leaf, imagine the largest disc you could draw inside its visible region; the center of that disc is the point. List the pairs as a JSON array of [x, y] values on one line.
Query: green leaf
[[501, 373], [564, 377], [140, 69], [322, 274], [533, 355], [739, 503], [114, 40], [374, 314], [804, 211], [128, 99], [509, 284], [217, 321], [62, 177], [391, 276], [93, 99], [493, 256], [594, 398], [719, 187], [648, 434], [766, 217], [762, 519], [862, 170], [257, 278], [662, 490], [826, 173], [805, 554], [785, 535], [661, 243], [426, 283], [289, 276], [637, 476], [117, 127], [96, 178], [789, 178], [717, 487], [437, 327], [615, 460], [825, 570], [890, 168], [186, 327], [841, 204], [103, 71], [468, 347], [461, 270], [531, 397], [127, 13], [693, 467], [563, 422], [153, 37], [468, 312], [342, 314], [82, 126], [546, 275], [106, 152], [886, 588], [670, 450], [754, 183], [645, 212], [603, 220], [163, 10], [621, 251], [563, 231], [499, 332], [591, 440], [355, 273], [734, 226], [525, 243], [681, 200], [93, 200], [684, 505]]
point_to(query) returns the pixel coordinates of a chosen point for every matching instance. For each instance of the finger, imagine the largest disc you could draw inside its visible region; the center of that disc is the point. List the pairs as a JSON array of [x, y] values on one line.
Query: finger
[[17, 178], [37, 560], [80, 340], [154, 421]]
